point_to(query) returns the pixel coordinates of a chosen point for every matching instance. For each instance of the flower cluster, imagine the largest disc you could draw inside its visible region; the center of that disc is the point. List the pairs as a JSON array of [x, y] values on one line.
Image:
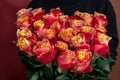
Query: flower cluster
[[70, 41]]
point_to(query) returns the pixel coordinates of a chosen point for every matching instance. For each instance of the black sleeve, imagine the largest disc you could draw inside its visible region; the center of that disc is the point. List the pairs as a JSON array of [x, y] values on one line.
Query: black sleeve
[[112, 29]]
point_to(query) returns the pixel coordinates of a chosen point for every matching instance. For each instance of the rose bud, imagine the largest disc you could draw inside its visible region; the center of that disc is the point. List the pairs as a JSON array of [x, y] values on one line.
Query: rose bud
[[84, 57], [100, 45], [89, 32], [101, 19], [24, 45], [38, 13], [24, 32], [61, 46], [66, 60], [44, 51], [76, 24], [67, 34]]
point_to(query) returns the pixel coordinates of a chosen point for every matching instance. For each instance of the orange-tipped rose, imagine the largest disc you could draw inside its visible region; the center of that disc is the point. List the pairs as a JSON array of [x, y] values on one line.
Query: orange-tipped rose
[[45, 51], [83, 61], [101, 19], [89, 32], [76, 24], [61, 46], [88, 18], [66, 60], [24, 45], [23, 21], [24, 32], [100, 44], [67, 34], [49, 34], [38, 13]]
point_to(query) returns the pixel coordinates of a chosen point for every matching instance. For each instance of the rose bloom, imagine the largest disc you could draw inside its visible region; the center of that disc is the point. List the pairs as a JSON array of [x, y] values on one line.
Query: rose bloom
[[64, 21], [79, 41], [38, 13], [24, 45], [66, 60], [39, 26], [56, 12], [50, 19], [57, 27], [100, 45], [24, 19], [89, 32], [44, 51], [88, 18], [101, 19], [49, 34], [67, 34], [24, 11], [61, 46], [84, 57], [24, 32], [76, 24]]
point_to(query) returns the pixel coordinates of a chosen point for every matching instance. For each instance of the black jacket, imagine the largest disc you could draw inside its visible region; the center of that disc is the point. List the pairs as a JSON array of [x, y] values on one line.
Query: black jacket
[[90, 6]]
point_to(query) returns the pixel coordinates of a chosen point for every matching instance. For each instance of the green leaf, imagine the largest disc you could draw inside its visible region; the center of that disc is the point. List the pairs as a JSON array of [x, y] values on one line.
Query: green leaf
[[94, 58], [35, 76], [59, 70], [62, 77], [99, 71], [37, 66], [65, 72], [102, 78], [29, 74], [107, 68], [103, 64]]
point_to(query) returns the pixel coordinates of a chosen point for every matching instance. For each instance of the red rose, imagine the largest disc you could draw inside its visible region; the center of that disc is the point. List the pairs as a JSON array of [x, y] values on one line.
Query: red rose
[[77, 24], [38, 13], [48, 34], [56, 12], [66, 60], [89, 32], [101, 19], [24, 32], [100, 44], [86, 17], [25, 45], [67, 34], [79, 41], [83, 61], [45, 51]]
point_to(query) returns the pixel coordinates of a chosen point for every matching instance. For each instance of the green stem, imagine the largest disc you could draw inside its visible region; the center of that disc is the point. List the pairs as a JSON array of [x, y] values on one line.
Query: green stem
[[74, 76], [51, 70]]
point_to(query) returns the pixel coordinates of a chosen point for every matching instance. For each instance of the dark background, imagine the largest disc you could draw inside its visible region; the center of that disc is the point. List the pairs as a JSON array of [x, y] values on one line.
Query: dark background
[[11, 68]]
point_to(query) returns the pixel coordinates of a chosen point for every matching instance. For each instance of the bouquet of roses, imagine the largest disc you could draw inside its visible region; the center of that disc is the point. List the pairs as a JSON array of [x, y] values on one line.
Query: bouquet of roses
[[55, 46]]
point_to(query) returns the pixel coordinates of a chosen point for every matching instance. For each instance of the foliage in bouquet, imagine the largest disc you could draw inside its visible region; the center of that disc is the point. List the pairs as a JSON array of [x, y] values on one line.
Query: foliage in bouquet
[[55, 46]]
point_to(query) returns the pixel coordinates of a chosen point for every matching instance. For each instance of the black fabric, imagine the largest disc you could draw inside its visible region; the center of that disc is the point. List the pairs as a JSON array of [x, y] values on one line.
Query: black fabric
[[90, 6]]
